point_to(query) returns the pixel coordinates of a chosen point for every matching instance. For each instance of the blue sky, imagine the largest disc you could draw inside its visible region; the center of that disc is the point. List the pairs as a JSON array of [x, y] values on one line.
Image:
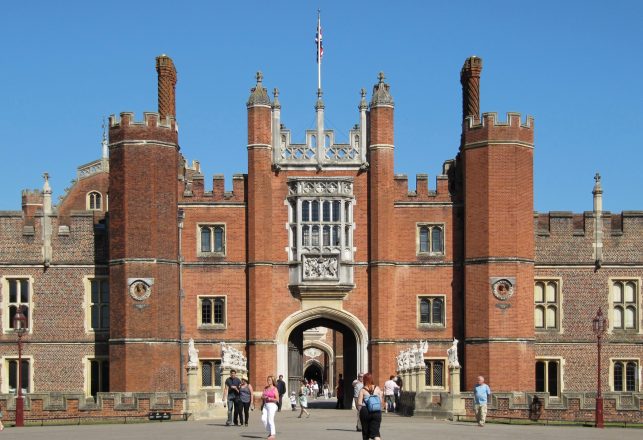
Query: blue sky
[[576, 66]]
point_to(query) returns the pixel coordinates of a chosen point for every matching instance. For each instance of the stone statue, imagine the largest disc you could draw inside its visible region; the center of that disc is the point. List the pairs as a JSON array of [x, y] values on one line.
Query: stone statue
[[406, 362], [453, 355], [193, 355]]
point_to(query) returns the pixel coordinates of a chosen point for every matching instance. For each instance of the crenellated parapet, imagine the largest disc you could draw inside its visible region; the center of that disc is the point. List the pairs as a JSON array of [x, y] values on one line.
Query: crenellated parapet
[[193, 189], [152, 128], [489, 129], [557, 224], [422, 192]]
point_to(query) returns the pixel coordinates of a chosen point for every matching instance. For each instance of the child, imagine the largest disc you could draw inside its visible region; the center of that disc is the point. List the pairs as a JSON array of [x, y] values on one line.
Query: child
[[293, 401]]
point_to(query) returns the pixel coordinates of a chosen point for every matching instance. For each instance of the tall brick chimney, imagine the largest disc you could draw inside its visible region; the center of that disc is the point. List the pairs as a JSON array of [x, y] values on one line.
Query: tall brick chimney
[[167, 86], [470, 80]]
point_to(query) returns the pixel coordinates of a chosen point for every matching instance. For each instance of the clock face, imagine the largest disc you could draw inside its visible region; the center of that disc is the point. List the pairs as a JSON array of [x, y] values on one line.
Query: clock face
[[140, 290]]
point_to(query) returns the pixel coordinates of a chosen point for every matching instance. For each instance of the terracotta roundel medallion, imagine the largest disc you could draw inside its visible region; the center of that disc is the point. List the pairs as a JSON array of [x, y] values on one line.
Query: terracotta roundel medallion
[[502, 289], [140, 290]]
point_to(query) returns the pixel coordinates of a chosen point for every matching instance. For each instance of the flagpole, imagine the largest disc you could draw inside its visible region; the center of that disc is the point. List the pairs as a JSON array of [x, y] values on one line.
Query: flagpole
[[319, 37]]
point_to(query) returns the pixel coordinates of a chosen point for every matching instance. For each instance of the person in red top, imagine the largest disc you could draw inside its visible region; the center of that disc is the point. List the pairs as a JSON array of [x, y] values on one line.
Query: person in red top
[[270, 397]]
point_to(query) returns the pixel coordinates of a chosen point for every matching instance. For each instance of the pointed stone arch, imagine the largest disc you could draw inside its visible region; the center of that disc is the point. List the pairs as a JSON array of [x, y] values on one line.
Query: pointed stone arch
[[341, 317]]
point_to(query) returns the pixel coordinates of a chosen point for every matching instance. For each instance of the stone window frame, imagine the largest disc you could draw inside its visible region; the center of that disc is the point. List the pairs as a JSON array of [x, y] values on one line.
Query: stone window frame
[[637, 305], [431, 226], [207, 326], [558, 304], [4, 288], [87, 372], [431, 297], [625, 360], [214, 386], [4, 372], [87, 304], [445, 376], [212, 226], [346, 225], [561, 362], [92, 197]]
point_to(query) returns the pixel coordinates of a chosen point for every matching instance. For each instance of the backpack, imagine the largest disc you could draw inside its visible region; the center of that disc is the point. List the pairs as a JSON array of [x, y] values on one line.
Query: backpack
[[373, 403]]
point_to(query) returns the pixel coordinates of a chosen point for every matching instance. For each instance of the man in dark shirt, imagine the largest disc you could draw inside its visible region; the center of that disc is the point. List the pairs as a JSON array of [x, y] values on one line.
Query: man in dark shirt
[[231, 398], [281, 387], [340, 392]]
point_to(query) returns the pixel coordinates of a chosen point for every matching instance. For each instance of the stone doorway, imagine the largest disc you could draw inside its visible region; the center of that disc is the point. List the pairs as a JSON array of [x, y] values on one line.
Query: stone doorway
[[346, 352]]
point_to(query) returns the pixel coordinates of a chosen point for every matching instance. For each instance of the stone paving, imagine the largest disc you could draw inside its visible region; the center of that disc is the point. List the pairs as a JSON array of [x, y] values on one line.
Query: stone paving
[[324, 424]]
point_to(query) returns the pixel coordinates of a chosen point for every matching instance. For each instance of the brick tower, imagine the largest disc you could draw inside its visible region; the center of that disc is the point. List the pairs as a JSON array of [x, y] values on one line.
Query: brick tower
[[499, 242], [259, 197], [143, 248], [381, 224]]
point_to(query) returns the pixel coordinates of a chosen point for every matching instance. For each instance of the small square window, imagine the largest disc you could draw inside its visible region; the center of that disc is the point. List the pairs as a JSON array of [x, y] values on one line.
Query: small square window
[[212, 311], [434, 373], [625, 375], [625, 305], [211, 373], [431, 311], [430, 239], [211, 240], [548, 376]]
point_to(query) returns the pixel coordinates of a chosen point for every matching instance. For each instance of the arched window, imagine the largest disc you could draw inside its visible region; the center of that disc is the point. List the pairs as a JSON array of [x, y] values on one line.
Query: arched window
[[625, 305], [219, 239], [94, 201], [212, 240], [430, 239], [546, 305], [432, 310]]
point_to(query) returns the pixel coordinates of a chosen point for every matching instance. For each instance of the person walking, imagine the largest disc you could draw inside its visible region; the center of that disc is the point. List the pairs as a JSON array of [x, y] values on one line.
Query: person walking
[[281, 387], [339, 392], [398, 394], [358, 384], [389, 393], [245, 396], [303, 399], [326, 391], [370, 401], [231, 398], [270, 397], [481, 394]]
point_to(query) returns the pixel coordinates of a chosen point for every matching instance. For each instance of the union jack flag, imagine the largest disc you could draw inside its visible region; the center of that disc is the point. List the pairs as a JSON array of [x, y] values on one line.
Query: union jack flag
[[319, 44]]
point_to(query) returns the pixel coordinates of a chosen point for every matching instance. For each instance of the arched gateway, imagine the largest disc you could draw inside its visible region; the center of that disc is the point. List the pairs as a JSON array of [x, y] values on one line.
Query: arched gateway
[[290, 344]]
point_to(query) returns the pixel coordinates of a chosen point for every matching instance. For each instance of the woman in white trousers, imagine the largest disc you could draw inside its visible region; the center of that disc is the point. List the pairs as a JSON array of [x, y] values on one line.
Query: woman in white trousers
[[270, 398]]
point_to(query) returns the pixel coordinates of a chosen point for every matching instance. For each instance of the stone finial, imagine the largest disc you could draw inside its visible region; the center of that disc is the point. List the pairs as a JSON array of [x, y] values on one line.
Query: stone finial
[[105, 149], [275, 101], [381, 93], [598, 189], [258, 94], [362, 103], [320, 102], [46, 189], [470, 80], [166, 86]]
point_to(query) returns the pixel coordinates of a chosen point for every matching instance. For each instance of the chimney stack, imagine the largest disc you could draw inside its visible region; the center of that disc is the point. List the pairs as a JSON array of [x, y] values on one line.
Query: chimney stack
[[167, 86], [470, 80]]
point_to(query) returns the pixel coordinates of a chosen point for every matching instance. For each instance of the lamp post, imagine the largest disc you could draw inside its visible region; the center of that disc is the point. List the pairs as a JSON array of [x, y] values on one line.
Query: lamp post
[[599, 325], [20, 327]]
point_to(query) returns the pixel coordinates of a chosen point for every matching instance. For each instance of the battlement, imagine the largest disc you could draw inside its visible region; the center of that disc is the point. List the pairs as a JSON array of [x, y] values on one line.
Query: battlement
[[193, 189], [489, 128], [422, 192], [150, 120], [566, 223], [491, 120], [152, 127]]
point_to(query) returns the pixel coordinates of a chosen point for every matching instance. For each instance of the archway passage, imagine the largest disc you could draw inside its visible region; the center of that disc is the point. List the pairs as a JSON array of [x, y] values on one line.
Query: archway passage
[[314, 372], [345, 362]]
